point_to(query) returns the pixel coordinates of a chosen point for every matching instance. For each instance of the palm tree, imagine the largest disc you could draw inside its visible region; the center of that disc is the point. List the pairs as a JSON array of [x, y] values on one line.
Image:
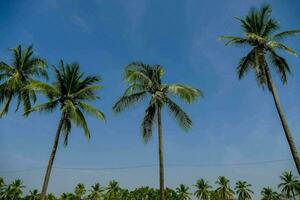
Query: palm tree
[[95, 192], [2, 188], [243, 190], [24, 68], [203, 189], [79, 191], [259, 27], [50, 196], [70, 91], [224, 191], [269, 194], [113, 190], [145, 80], [14, 190], [66, 196], [33, 195], [289, 185], [183, 192]]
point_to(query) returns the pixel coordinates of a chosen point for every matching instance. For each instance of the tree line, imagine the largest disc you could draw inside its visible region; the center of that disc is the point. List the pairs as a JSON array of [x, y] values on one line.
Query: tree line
[[71, 92], [289, 188]]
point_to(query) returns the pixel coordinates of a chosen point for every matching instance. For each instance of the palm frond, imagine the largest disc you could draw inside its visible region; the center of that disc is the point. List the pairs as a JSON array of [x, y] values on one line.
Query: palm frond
[[126, 101], [92, 110], [234, 40], [246, 63], [182, 118], [285, 34], [278, 45], [280, 64], [148, 121], [48, 90], [185, 92], [45, 107]]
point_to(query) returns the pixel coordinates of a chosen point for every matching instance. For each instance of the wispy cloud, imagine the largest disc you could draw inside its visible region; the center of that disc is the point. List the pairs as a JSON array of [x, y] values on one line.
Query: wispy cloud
[[81, 23]]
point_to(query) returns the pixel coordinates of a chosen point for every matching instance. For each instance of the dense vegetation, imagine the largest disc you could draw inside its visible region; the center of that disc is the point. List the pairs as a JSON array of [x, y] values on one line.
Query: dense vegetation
[[72, 91], [289, 188]]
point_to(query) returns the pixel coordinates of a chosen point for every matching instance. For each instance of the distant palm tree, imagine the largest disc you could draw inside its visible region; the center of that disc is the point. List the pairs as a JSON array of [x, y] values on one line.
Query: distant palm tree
[[14, 190], [269, 194], [259, 27], [145, 80], [33, 195], [203, 189], [79, 191], [95, 192], [113, 190], [289, 185], [243, 190], [66, 196], [24, 68], [70, 92], [224, 191], [183, 192], [2, 188], [50, 196]]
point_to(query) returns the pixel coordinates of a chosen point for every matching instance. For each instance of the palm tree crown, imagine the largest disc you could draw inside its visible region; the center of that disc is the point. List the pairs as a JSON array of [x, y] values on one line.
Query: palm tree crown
[[203, 189], [183, 192], [290, 185], [14, 78], [224, 191], [243, 190], [269, 194], [146, 80], [259, 28], [70, 92]]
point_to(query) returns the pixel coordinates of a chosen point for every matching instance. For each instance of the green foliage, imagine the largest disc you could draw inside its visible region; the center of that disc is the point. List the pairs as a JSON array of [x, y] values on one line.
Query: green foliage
[[243, 190], [259, 27], [289, 185], [14, 78]]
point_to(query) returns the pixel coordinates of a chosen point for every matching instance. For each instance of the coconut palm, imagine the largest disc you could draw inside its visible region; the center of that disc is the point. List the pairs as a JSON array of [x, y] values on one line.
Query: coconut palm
[[113, 190], [224, 191], [50, 196], [183, 192], [33, 195], [289, 185], [2, 188], [66, 196], [14, 190], [243, 190], [95, 192], [269, 194], [79, 191], [259, 28], [14, 77], [70, 92], [203, 189], [146, 80]]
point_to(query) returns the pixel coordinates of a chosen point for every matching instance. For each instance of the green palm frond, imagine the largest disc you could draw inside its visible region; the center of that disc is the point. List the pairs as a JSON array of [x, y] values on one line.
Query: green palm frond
[[273, 44], [281, 65], [129, 100], [92, 110], [148, 121], [234, 40], [185, 92], [45, 107], [182, 118], [48, 90], [284, 34], [246, 63]]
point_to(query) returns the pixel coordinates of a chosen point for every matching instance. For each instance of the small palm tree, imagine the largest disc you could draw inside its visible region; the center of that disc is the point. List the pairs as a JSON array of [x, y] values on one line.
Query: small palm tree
[[113, 190], [183, 192], [203, 189], [2, 188], [66, 196], [24, 68], [69, 92], [95, 192], [243, 190], [259, 27], [50, 196], [269, 194], [146, 80], [289, 185], [33, 195], [79, 191], [224, 191], [14, 190]]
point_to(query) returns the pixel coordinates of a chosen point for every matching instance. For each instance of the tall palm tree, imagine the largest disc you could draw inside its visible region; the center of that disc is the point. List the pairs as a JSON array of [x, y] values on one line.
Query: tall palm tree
[[289, 185], [70, 92], [145, 80], [79, 191], [224, 191], [203, 189], [243, 190], [259, 27], [269, 194], [183, 192], [95, 192], [14, 77]]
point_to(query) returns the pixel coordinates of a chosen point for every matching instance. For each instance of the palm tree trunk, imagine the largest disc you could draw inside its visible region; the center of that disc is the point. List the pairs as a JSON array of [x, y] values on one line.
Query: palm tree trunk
[[284, 123], [160, 152], [51, 159]]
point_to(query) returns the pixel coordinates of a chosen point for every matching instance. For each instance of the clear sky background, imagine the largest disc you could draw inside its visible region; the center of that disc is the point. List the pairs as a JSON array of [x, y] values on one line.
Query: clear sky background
[[235, 122]]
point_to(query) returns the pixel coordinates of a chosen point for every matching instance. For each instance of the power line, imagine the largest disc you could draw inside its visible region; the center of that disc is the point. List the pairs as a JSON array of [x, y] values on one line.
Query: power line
[[153, 165]]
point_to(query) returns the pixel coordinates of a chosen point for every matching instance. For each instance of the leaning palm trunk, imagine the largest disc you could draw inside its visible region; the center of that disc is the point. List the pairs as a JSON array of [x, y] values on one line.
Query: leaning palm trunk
[[284, 123], [160, 152], [51, 160]]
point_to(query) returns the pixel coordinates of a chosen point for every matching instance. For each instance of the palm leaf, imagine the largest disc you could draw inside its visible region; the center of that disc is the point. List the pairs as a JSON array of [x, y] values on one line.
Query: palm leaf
[[126, 101], [283, 35], [184, 92], [91, 110]]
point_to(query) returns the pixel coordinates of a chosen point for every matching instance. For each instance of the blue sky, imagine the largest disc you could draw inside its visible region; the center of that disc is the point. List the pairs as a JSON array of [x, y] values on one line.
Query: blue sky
[[235, 121]]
